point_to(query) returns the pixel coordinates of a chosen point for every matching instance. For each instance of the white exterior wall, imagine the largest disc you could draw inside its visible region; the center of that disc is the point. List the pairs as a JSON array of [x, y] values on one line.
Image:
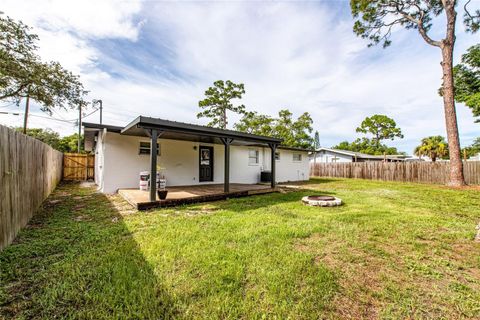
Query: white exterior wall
[[329, 157], [118, 163], [286, 168], [240, 170], [99, 159]]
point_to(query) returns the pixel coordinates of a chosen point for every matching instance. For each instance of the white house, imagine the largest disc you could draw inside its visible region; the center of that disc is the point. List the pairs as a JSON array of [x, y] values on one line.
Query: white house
[[327, 155], [475, 158], [188, 155]]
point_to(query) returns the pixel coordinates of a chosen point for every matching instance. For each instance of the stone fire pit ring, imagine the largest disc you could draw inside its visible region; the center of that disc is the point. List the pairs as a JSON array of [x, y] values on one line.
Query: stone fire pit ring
[[321, 201]]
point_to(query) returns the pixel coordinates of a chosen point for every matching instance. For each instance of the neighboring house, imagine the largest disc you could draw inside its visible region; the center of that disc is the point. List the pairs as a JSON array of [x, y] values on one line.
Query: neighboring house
[[475, 158], [327, 155], [188, 155]]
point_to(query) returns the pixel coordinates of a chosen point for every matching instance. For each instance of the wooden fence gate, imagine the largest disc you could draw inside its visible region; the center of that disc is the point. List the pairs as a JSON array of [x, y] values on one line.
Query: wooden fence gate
[[78, 166]]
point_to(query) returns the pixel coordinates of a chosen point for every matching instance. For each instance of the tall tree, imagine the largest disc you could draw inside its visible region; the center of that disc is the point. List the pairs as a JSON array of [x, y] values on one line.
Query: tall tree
[[433, 147], [24, 75], [47, 136], [70, 143], [53, 139], [302, 130], [466, 76], [295, 133], [218, 100], [367, 146], [381, 127], [316, 141], [375, 19], [255, 123]]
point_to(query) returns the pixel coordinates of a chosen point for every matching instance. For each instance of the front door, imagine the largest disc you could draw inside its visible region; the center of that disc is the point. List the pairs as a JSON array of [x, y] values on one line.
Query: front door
[[206, 164]]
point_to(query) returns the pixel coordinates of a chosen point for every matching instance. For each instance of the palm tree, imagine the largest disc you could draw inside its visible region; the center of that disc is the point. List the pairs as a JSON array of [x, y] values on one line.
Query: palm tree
[[432, 147]]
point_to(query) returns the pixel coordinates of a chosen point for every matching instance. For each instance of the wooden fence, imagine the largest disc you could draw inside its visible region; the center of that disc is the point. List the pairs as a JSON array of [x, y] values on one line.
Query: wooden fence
[[421, 172], [78, 166], [29, 171]]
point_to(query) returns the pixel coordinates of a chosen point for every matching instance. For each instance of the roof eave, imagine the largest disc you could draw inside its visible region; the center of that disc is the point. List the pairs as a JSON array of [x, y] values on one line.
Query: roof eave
[[153, 123]]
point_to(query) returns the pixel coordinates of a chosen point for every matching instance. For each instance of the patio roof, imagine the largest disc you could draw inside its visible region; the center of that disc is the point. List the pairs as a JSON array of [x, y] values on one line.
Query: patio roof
[[184, 131]]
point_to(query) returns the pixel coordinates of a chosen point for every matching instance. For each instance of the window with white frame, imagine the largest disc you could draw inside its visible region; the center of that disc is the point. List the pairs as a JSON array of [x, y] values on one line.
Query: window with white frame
[[277, 155], [253, 156], [297, 157], [145, 148]]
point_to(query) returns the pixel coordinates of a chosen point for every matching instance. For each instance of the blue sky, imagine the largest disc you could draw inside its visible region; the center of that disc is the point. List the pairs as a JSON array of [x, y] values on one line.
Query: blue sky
[[156, 58]]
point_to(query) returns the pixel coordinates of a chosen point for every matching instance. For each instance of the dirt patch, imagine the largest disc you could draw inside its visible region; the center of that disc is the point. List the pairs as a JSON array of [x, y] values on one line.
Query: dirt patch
[[121, 206], [477, 236], [62, 194], [200, 211], [307, 245], [361, 275], [82, 218], [79, 206]]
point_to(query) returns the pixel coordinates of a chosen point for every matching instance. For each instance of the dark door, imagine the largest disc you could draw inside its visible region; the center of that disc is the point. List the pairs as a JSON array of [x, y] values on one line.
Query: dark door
[[206, 164]]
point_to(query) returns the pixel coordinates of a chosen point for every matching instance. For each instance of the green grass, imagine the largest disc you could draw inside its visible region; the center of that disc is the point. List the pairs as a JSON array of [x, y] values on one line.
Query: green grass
[[392, 251]]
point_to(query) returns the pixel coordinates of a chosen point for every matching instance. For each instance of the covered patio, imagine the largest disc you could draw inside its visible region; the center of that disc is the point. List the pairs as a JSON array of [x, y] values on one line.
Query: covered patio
[[158, 128], [192, 194]]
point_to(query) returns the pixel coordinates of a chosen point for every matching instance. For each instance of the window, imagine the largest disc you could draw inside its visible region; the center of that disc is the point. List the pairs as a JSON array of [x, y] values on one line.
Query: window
[[253, 156], [297, 157], [145, 148], [277, 156]]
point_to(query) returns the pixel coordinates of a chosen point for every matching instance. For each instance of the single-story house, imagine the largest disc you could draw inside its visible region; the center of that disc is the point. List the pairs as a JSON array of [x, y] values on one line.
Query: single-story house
[[475, 158], [188, 155], [327, 155]]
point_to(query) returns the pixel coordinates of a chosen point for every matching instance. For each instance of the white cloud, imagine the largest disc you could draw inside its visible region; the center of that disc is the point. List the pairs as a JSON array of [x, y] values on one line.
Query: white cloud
[[87, 18], [303, 56]]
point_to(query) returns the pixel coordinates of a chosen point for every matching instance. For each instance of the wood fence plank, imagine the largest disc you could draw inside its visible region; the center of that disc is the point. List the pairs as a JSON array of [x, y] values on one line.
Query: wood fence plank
[[29, 171], [420, 172]]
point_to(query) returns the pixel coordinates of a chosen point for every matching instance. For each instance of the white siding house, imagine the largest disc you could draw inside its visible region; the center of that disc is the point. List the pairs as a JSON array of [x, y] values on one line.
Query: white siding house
[[120, 157], [327, 155]]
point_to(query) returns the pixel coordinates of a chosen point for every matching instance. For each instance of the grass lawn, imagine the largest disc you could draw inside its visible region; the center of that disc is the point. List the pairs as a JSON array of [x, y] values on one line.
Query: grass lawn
[[392, 251]]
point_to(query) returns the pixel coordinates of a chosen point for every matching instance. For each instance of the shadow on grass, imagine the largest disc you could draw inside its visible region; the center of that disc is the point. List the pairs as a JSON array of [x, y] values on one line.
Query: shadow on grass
[[77, 259], [254, 202]]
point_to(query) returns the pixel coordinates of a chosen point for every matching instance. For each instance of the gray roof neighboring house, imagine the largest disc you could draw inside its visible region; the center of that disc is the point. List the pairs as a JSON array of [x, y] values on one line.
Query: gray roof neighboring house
[[363, 156]]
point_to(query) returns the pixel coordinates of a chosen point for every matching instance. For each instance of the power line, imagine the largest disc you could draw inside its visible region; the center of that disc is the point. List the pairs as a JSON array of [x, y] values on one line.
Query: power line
[[58, 114], [52, 118]]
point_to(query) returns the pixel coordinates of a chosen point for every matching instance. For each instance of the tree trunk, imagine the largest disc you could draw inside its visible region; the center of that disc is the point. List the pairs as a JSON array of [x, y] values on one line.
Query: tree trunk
[[447, 45]]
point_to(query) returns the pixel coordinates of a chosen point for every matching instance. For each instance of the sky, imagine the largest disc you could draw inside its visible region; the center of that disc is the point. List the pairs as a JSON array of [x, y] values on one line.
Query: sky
[[157, 58]]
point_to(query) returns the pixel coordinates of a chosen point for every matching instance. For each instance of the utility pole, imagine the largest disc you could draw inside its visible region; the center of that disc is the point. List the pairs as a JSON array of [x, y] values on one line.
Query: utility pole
[[27, 107], [79, 127]]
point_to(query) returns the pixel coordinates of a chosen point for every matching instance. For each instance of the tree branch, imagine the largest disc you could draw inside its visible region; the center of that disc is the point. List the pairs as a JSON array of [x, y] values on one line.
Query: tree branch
[[421, 28], [14, 93]]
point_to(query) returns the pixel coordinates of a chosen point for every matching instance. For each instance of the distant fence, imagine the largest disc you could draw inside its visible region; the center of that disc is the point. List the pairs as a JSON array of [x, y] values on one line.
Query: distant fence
[[78, 166], [29, 171], [421, 172]]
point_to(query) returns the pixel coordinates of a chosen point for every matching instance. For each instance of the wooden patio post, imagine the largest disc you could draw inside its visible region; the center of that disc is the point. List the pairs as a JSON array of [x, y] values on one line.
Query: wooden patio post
[[226, 177], [154, 133], [273, 148]]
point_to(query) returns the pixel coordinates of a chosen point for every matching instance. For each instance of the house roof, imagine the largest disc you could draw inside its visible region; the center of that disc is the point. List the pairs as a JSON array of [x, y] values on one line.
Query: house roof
[[295, 148], [182, 131], [360, 155], [138, 126]]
